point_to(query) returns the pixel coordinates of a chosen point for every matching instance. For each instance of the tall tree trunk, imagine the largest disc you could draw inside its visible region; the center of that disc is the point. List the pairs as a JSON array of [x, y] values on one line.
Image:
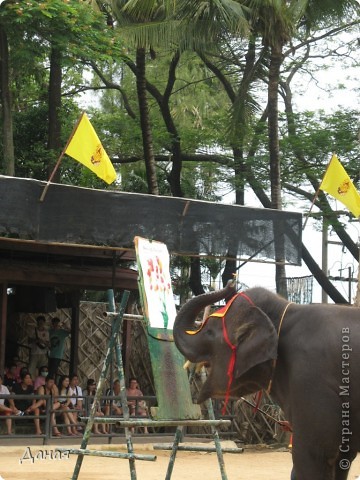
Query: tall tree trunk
[[195, 282], [174, 177], [54, 104], [239, 172], [276, 58], [8, 138], [145, 123]]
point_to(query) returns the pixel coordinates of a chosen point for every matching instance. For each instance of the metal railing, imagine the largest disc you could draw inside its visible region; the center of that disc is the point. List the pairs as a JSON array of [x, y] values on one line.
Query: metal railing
[[23, 425]]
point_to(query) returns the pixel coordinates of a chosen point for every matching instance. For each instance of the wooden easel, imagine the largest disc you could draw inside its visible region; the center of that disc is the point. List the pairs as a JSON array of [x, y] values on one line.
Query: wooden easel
[[175, 406]]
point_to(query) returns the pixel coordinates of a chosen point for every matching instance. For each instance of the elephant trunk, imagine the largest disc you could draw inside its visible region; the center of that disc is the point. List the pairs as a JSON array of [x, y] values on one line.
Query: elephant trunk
[[189, 345]]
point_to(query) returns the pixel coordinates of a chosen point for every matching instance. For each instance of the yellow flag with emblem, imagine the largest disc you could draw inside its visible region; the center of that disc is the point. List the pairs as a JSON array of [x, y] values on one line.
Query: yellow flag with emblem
[[86, 148], [337, 183]]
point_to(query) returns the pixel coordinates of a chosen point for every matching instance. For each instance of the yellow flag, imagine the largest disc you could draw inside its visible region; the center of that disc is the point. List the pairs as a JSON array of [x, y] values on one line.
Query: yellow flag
[[337, 182], [86, 148]]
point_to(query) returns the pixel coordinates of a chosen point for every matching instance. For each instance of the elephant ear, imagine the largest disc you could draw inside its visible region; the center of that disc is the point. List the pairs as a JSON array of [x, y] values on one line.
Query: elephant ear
[[256, 340]]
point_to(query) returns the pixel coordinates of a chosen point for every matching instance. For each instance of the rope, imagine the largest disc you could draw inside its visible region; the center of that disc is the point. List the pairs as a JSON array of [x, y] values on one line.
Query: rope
[[268, 390], [232, 361]]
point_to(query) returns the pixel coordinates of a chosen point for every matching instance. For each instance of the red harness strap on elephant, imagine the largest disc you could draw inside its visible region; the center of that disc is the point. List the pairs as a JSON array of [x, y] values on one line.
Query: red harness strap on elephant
[[230, 372]]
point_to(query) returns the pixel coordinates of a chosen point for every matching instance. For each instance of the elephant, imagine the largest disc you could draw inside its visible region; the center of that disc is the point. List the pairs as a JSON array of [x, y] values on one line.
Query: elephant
[[307, 356]]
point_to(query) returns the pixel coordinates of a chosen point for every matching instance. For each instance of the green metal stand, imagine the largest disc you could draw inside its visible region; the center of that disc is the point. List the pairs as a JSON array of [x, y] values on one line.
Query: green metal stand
[[114, 342]]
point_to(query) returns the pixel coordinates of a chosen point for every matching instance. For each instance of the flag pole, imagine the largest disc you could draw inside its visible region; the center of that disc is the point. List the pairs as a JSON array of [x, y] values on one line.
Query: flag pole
[[357, 296], [317, 193], [60, 158], [311, 207]]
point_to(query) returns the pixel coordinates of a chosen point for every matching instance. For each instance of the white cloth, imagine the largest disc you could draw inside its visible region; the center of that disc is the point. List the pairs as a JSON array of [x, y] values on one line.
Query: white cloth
[[116, 402], [3, 391], [74, 394]]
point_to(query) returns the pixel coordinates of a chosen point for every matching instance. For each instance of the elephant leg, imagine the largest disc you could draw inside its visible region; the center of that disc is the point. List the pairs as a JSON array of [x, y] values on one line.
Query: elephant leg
[[310, 463], [343, 464]]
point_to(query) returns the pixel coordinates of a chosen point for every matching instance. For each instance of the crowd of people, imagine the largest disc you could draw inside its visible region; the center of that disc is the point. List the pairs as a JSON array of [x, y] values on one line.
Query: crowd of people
[[33, 399], [40, 381], [68, 402]]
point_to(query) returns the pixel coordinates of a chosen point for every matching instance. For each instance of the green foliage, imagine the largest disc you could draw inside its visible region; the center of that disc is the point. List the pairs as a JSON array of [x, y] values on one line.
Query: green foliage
[[32, 29], [32, 156], [318, 135], [30, 139], [320, 12], [201, 109], [73, 26]]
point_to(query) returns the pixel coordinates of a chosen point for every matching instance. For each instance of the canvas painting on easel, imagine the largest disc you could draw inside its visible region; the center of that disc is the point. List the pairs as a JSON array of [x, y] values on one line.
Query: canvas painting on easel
[[154, 262]]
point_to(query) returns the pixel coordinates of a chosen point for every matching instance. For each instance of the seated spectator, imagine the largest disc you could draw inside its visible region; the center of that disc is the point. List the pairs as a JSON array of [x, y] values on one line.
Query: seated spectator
[[113, 407], [49, 388], [40, 380], [89, 394], [137, 407], [76, 395], [28, 406], [11, 377], [4, 410], [24, 370], [66, 406]]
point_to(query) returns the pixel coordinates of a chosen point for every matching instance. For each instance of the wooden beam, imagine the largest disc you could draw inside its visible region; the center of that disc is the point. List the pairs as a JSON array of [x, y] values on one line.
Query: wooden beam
[[58, 248], [91, 277]]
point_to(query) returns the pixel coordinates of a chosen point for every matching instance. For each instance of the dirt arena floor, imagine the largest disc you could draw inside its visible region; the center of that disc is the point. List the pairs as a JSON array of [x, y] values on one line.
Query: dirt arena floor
[[258, 463]]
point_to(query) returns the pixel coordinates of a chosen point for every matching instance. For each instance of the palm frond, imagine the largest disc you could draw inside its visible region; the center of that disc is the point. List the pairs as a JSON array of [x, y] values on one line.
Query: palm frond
[[213, 16], [146, 23]]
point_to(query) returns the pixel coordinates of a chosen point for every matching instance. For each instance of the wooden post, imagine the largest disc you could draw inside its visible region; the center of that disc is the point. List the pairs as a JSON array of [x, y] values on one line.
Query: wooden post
[[3, 303], [357, 296], [74, 348], [324, 256]]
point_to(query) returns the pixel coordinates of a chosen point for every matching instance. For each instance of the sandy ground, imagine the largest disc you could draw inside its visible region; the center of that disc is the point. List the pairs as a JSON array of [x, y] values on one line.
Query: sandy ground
[[253, 464]]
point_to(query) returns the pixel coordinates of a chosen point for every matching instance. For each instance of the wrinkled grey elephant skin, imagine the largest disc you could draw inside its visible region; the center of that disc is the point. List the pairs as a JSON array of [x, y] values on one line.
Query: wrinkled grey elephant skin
[[313, 360]]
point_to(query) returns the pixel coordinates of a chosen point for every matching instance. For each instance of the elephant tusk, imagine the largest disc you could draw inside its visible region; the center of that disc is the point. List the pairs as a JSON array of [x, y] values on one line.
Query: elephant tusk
[[198, 366], [187, 365]]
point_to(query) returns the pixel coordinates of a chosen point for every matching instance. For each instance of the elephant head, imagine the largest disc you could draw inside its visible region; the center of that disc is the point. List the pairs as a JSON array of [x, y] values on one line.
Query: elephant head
[[248, 329]]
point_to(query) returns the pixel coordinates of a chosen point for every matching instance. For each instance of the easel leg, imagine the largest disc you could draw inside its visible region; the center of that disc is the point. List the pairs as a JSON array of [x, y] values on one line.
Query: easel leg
[[214, 431], [116, 328], [177, 440], [125, 407]]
